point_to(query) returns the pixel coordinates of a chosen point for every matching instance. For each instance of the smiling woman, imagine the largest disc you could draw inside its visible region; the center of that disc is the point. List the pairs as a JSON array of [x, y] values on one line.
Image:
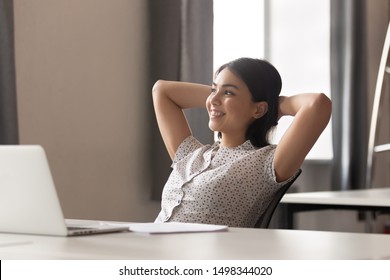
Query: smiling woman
[[232, 181], [230, 108], [263, 83]]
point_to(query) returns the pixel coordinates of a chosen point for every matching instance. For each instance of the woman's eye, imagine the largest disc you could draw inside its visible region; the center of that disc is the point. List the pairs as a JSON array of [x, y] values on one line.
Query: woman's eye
[[229, 92], [213, 90]]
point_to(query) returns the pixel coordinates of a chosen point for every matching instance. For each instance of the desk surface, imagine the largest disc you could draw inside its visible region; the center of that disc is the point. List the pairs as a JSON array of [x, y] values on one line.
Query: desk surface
[[237, 243], [367, 197]]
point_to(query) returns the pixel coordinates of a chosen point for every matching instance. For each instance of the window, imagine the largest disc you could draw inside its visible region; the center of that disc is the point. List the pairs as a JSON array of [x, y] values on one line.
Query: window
[[238, 30], [294, 35]]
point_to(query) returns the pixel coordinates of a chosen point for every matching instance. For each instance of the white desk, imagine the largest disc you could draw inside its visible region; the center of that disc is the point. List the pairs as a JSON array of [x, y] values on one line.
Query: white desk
[[237, 243], [377, 200]]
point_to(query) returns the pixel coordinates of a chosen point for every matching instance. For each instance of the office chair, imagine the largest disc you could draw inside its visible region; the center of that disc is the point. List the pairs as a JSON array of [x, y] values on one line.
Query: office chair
[[265, 218]]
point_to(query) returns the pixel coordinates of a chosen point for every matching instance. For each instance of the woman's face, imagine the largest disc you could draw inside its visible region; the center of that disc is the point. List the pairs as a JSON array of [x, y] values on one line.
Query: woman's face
[[230, 107]]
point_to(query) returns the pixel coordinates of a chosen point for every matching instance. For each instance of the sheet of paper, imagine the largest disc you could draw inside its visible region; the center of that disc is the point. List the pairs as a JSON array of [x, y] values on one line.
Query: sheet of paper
[[152, 228], [172, 227]]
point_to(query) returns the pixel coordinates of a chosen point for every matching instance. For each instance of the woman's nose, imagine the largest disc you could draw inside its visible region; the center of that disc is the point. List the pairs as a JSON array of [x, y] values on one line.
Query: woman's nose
[[215, 99]]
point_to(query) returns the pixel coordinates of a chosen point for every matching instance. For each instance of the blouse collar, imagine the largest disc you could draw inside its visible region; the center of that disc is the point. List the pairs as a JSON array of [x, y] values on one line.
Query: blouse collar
[[247, 145]]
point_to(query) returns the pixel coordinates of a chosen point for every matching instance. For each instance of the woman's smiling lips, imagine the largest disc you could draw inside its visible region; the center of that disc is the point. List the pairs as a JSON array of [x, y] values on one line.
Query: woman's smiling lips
[[216, 114]]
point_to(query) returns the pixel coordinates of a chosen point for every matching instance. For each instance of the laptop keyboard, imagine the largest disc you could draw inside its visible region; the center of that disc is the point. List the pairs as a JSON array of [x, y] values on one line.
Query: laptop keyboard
[[77, 228]]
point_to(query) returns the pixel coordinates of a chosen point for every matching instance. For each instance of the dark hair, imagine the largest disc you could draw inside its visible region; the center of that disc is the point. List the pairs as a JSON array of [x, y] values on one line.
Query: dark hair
[[265, 84]]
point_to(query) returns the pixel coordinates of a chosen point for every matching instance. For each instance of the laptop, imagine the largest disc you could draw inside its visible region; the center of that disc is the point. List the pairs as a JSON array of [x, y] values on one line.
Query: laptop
[[29, 202]]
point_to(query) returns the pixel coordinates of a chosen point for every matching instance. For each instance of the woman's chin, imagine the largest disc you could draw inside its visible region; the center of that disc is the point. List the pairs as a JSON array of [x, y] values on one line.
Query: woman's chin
[[213, 127]]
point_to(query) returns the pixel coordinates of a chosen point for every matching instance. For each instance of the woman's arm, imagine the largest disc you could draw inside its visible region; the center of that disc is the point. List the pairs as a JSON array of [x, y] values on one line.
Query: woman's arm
[[311, 115], [169, 100]]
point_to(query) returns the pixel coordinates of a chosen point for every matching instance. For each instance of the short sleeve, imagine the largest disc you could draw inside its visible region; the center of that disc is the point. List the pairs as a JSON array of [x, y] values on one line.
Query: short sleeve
[[189, 145], [267, 157]]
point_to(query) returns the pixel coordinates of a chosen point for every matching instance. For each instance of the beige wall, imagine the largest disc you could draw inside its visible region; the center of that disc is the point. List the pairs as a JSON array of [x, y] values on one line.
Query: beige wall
[[81, 81]]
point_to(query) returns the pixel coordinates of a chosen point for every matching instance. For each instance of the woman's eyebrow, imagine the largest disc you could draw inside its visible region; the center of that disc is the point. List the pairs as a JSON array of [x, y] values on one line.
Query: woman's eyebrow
[[227, 85]]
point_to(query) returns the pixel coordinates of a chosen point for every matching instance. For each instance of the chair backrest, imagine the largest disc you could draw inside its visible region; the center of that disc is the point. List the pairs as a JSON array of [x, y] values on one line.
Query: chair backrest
[[265, 218]]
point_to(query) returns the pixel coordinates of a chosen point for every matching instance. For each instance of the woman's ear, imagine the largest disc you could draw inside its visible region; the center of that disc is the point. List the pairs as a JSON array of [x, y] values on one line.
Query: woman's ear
[[261, 109]]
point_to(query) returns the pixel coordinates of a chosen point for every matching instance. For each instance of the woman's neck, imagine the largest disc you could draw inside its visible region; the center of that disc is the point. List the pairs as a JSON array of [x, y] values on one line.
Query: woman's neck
[[232, 141]]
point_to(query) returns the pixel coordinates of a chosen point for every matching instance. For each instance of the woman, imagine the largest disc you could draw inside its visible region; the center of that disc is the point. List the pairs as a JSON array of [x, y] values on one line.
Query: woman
[[232, 181]]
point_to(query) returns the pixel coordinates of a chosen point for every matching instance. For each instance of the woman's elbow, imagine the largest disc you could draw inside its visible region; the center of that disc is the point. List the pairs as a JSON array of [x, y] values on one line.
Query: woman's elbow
[[323, 105], [326, 103], [158, 87]]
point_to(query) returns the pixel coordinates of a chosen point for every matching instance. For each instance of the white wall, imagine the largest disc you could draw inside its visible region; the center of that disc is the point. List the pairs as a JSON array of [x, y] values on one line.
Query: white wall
[[81, 83]]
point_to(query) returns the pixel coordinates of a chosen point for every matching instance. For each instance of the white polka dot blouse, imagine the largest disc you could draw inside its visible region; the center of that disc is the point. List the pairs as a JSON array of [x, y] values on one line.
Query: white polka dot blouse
[[213, 184]]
